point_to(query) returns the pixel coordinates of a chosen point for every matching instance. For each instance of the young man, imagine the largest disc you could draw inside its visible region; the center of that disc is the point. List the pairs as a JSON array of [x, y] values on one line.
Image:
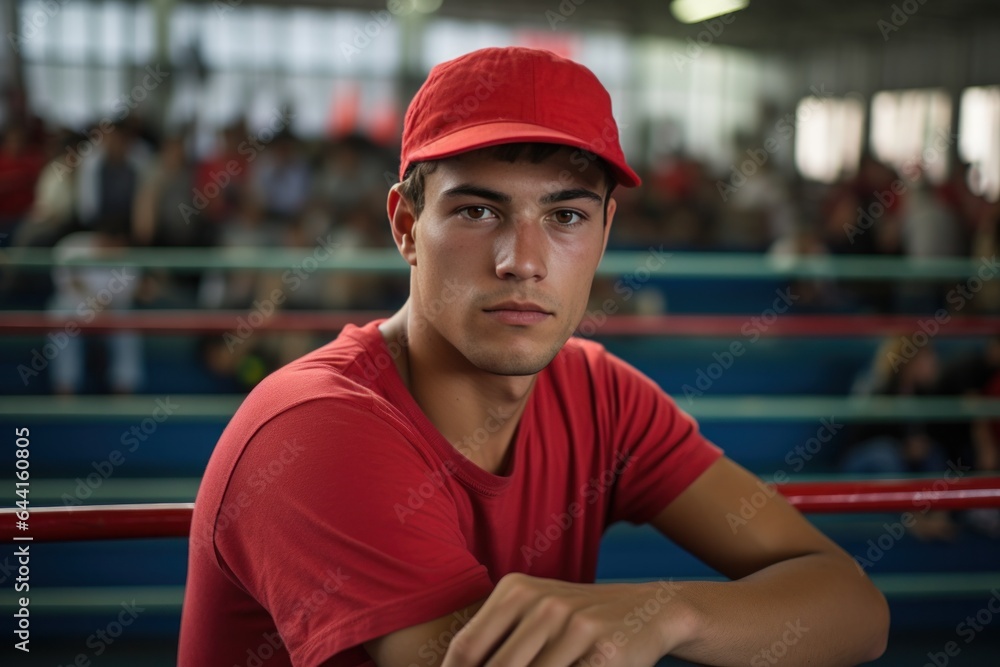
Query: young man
[[431, 489]]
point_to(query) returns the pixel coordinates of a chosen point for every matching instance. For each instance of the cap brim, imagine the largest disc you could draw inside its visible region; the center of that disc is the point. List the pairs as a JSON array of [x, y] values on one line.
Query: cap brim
[[497, 133]]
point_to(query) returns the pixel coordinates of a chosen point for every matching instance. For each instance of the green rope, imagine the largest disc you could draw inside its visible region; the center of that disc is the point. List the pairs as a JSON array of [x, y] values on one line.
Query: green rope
[[639, 265], [707, 408]]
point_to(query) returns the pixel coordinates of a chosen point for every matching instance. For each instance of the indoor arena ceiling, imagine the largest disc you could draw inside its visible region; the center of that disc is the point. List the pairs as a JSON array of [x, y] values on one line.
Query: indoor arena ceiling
[[765, 25]]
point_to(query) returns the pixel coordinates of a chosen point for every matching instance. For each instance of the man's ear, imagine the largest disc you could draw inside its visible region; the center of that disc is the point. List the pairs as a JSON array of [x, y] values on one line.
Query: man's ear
[[402, 221], [608, 219]]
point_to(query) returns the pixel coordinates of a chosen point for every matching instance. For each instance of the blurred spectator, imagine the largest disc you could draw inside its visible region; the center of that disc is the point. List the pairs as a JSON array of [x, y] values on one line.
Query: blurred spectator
[[222, 178], [816, 294], [163, 213], [86, 293], [971, 374], [108, 180], [249, 228], [358, 228], [350, 175], [281, 178], [986, 247], [681, 206], [966, 206], [929, 230], [876, 187], [863, 216], [53, 212], [976, 443], [758, 209], [20, 165], [895, 448], [52, 215]]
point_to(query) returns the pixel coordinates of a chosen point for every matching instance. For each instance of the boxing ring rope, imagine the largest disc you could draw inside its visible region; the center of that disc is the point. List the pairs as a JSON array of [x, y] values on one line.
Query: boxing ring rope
[[641, 264], [105, 522], [185, 322], [740, 408], [114, 522]]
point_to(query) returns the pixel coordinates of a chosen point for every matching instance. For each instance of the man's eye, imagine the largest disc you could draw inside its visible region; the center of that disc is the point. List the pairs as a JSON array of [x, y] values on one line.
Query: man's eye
[[568, 217], [476, 212]]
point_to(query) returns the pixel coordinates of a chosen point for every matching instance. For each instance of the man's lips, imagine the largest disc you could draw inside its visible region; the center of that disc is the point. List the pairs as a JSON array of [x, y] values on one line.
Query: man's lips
[[518, 312], [519, 306]]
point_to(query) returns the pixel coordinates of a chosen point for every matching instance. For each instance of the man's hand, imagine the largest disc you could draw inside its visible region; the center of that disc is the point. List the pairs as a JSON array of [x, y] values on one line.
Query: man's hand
[[549, 623]]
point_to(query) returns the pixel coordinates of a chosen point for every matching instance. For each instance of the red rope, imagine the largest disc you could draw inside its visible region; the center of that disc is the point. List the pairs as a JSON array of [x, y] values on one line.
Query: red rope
[[241, 323], [98, 522], [110, 522]]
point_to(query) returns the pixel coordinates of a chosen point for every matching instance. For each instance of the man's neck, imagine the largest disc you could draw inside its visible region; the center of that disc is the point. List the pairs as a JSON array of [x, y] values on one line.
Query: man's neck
[[478, 412]]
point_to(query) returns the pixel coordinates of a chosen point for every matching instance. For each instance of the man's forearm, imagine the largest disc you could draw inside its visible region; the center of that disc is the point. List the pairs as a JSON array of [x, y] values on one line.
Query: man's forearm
[[818, 609]]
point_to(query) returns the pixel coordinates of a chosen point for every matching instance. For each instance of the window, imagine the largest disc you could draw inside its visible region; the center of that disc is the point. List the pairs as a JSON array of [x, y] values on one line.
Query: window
[[911, 130], [979, 129], [828, 137]]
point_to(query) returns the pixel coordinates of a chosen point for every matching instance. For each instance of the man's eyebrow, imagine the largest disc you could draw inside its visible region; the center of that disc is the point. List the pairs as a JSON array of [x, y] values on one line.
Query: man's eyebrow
[[573, 193], [466, 190]]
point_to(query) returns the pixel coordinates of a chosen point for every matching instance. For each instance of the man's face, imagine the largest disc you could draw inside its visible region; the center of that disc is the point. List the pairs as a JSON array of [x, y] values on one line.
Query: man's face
[[505, 254]]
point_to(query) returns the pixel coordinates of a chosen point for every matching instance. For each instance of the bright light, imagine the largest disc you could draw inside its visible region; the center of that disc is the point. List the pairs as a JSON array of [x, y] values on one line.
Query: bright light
[[828, 135], [979, 143], [696, 11], [910, 129]]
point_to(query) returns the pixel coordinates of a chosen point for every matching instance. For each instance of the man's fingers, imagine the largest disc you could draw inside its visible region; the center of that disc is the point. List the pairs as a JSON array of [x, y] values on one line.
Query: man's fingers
[[524, 643], [576, 641], [474, 643]]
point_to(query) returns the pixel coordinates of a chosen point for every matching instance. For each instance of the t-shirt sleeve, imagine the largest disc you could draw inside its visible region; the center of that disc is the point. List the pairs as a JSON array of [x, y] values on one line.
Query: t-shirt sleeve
[[343, 530], [660, 445]]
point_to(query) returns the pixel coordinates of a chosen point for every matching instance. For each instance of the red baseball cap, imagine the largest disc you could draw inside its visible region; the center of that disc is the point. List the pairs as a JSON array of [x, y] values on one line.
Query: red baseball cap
[[505, 95]]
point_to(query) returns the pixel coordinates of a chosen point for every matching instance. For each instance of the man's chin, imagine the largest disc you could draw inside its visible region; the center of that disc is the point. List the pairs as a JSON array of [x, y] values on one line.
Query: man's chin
[[511, 367], [511, 360], [513, 351]]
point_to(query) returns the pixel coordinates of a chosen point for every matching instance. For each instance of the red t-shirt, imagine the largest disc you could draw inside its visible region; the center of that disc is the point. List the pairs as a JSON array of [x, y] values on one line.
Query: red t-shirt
[[332, 511]]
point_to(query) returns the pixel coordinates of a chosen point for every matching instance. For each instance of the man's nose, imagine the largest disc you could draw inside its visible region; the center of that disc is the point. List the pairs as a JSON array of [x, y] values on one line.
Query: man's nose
[[521, 251]]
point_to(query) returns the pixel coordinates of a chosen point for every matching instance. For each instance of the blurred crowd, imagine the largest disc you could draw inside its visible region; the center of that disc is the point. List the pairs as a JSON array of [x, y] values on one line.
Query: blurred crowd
[[261, 188], [878, 211], [941, 448], [120, 185], [125, 186]]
